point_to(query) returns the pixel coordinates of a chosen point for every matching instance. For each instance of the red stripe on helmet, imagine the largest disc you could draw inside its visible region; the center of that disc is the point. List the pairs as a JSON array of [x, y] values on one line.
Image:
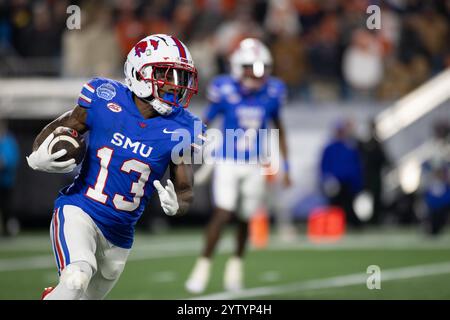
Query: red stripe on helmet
[[180, 47]]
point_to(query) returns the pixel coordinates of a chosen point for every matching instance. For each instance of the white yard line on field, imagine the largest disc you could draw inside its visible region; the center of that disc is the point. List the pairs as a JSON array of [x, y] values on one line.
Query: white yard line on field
[[389, 241], [165, 246], [190, 246], [27, 263], [164, 276], [165, 251], [333, 282]]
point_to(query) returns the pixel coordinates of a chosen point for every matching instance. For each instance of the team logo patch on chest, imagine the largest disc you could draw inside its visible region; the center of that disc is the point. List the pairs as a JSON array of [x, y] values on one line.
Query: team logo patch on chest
[[114, 107], [106, 91]]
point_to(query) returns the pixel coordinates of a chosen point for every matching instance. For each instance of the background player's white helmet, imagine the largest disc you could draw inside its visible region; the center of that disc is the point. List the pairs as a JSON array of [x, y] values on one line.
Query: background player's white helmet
[[251, 63], [159, 68]]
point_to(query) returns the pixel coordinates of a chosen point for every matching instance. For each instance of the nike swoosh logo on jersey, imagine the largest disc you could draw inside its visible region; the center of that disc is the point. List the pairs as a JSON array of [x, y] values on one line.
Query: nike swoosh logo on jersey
[[166, 131]]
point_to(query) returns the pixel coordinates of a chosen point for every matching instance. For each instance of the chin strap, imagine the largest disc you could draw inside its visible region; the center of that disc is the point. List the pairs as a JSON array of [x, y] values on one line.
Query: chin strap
[[161, 107]]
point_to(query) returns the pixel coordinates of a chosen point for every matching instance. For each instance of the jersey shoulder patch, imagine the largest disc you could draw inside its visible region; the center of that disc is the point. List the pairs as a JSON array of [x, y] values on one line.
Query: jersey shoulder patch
[[277, 90], [276, 87], [221, 87], [98, 89]]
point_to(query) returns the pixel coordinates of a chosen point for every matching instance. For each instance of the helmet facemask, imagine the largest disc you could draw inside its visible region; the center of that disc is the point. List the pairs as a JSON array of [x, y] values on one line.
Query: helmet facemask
[[254, 76], [171, 83]]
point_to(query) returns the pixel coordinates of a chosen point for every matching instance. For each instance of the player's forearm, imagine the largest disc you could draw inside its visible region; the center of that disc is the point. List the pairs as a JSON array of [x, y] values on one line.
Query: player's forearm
[[75, 119], [185, 199], [282, 138], [283, 144], [183, 177], [284, 153]]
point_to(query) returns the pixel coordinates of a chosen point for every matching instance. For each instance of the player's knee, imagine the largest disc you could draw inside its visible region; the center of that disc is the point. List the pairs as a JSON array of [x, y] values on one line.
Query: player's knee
[[222, 216], [112, 269], [76, 276]]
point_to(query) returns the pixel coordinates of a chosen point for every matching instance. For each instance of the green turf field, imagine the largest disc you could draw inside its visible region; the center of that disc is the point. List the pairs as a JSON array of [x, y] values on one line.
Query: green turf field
[[412, 267]]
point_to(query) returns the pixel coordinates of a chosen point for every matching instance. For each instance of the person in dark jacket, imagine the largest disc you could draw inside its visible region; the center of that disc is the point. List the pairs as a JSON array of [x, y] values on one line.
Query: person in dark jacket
[[341, 174], [375, 161]]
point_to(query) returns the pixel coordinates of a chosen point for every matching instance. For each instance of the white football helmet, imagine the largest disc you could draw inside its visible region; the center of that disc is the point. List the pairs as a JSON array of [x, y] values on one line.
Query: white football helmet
[[251, 63], [159, 69]]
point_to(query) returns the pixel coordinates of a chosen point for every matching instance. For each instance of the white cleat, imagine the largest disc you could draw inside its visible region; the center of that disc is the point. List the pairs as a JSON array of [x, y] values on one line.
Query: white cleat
[[199, 278], [233, 276]]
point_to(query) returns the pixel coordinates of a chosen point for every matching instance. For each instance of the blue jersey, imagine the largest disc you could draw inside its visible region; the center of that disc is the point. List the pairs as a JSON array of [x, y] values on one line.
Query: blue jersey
[[125, 154], [248, 112]]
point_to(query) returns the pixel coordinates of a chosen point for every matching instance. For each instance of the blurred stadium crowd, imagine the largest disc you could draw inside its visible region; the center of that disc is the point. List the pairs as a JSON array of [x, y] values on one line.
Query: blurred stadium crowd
[[319, 46]]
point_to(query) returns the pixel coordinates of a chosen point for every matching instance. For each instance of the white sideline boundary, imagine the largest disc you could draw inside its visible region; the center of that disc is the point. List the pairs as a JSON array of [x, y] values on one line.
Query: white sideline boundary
[[333, 282]]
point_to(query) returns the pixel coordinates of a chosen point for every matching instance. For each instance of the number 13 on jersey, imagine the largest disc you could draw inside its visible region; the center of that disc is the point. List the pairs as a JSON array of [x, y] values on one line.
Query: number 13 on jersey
[[96, 192]]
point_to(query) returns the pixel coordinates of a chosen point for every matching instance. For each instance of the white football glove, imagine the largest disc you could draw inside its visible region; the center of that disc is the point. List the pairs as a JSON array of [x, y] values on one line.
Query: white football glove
[[167, 197], [41, 160]]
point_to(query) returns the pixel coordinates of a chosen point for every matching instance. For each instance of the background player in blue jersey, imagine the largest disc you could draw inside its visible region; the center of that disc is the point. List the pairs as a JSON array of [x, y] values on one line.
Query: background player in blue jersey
[[132, 132], [248, 100]]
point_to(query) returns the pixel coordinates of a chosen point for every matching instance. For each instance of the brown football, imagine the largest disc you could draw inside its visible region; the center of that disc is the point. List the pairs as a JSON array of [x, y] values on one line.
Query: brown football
[[71, 140]]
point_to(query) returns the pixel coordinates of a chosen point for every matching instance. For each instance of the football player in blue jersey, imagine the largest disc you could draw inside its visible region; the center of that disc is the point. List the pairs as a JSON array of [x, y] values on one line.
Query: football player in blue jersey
[[131, 130], [248, 100]]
